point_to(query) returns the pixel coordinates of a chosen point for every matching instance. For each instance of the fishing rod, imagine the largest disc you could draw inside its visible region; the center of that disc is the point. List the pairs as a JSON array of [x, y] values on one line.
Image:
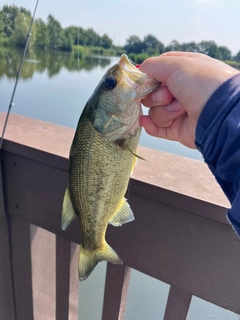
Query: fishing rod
[[18, 75]]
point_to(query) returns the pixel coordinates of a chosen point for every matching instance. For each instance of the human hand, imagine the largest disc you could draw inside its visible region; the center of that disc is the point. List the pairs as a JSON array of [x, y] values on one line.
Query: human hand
[[188, 79]]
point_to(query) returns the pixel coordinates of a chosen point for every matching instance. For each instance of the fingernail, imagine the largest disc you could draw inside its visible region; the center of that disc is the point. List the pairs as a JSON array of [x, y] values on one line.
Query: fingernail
[[174, 107], [157, 96]]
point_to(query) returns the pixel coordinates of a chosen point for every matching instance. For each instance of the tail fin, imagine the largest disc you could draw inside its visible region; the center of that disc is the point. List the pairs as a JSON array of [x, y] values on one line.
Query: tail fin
[[89, 259]]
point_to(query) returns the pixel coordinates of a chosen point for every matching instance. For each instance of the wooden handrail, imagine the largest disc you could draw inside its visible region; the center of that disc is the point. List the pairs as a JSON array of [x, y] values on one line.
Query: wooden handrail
[[180, 234]]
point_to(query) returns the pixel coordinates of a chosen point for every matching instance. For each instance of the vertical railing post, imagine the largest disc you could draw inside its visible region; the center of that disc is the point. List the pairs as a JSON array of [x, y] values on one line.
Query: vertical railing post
[[21, 268], [17, 265], [2, 209], [116, 289], [6, 288], [178, 304], [62, 278]]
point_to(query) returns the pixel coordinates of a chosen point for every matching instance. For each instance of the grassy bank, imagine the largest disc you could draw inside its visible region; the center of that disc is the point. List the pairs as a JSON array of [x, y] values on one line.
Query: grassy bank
[[232, 63], [83, 50], [139, 58]]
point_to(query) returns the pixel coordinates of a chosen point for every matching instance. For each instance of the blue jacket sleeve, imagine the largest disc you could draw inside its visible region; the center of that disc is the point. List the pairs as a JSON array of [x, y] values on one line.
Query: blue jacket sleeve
[[218, 139]]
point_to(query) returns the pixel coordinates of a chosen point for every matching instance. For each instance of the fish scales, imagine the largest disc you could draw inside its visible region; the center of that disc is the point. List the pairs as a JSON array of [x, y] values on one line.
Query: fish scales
[[92, 180]]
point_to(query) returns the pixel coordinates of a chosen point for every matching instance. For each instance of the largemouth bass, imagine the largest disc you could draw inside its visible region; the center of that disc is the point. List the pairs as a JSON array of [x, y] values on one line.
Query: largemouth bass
[[102, 158]]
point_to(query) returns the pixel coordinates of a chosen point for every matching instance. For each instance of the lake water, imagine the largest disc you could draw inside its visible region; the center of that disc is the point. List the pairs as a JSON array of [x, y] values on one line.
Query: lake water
[[54, 87]]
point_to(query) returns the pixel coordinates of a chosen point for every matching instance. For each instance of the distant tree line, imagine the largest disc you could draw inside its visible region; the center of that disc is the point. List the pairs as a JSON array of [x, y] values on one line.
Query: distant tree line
[[15, 21], [152, 46], [14, 26]]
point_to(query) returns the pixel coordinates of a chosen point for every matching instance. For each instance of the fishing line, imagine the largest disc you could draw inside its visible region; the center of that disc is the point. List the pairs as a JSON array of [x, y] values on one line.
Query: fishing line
[[78, 47], [18, 75]]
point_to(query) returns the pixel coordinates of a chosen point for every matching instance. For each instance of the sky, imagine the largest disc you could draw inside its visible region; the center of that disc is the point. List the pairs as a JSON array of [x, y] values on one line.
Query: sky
[[181, 20]]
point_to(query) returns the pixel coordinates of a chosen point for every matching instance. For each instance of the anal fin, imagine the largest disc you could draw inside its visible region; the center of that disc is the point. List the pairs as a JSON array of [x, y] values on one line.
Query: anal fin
[[123, 215], [68, 213]]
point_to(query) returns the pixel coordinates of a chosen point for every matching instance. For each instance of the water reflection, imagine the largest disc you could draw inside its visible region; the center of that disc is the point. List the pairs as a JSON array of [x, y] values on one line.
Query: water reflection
[[42, 61]]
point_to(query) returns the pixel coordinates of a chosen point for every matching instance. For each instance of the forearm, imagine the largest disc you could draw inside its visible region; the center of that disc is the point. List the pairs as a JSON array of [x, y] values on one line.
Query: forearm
[[218, 139]]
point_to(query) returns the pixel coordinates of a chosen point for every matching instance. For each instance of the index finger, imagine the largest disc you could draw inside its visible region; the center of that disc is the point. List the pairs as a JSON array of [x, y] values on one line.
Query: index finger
[[162, 67], [159, 97]]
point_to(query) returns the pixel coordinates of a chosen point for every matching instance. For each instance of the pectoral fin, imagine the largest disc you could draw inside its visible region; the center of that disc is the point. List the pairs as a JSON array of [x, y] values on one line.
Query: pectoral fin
[[122, 144], [68, 213], [123, 215], [135, 154]]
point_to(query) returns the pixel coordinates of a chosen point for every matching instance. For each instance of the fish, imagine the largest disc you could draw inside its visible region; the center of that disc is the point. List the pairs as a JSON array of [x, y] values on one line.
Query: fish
[[102, 158]]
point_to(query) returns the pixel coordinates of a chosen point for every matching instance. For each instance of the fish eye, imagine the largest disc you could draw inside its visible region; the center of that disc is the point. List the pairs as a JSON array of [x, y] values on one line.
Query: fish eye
[[110, 83]]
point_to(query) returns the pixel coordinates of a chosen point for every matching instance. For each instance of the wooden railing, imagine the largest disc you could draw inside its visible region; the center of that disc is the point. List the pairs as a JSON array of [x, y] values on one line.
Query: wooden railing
[[180, 234]]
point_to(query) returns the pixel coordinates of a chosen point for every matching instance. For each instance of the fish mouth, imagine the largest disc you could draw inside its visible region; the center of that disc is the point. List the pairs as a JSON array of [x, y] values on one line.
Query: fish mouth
[[127, 64], [140, 82]]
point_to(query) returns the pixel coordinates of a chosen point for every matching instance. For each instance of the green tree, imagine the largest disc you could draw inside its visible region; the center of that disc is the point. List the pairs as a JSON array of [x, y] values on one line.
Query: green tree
[[210, 48], [106, 42], [173, 46], [9, 14], [24, 11], [189, 46], [67, 41], [21, 28], [55, 32], [74, 33], [1, 27], [134, 45], [42, 36], [81, 37], [152, 45], [237, 56], [224, 53], [92, 38]]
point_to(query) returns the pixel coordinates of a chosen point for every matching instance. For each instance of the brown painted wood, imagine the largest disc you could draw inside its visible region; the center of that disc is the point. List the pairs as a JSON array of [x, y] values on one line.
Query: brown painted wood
[[49, 144], [125, 287], [62, 278], [37, 134], [162, 169], [192, 202], [43, 157], [35, 191], [74, 283], [209, 210], [2, 209], [178, 304], [7, 311], [116, 288], [180, 234], [43, 251], [21, 265], [199, 255], [174, 245]]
